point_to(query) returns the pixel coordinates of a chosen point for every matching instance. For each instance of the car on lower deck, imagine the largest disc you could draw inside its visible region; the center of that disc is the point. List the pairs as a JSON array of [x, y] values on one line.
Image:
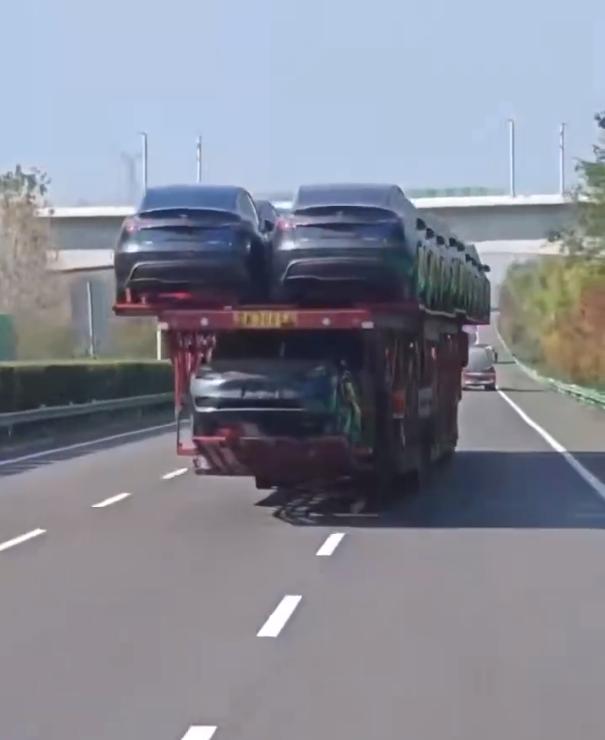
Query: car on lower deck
[[480, 372]]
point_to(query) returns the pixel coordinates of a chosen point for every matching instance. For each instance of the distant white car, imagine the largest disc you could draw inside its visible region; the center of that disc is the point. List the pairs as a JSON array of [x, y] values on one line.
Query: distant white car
[[480, 371]]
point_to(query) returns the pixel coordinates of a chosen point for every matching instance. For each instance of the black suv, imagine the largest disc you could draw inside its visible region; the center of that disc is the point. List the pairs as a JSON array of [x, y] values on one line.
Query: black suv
[[202, 241]]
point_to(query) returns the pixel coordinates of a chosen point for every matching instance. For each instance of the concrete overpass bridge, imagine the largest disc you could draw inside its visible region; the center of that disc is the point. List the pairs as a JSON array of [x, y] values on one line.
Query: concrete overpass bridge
[[500, 224], [504, 229]]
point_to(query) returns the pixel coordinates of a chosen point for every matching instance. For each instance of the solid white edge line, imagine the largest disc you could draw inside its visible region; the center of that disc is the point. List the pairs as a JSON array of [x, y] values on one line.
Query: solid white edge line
[[22, 538], [175, 473], [330, 545], [79, 445], [111, 500], [278, 619], [597, 486], [200, 732]]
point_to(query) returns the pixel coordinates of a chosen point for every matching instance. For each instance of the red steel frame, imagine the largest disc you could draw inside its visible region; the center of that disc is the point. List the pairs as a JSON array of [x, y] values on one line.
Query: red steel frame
[[229, 318]]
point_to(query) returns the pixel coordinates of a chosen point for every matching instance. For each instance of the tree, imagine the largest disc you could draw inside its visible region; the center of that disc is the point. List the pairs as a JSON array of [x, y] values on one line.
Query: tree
[[24, 241], [28, 290], [586, 238]]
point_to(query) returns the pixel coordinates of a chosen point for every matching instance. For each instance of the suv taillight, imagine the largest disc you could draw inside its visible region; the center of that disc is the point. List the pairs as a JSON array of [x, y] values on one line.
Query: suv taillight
[[284, 224], [131, 224]]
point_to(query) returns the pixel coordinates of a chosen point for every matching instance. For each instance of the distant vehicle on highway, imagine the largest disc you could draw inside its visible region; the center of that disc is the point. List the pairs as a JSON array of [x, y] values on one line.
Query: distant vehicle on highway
[[480, 372]]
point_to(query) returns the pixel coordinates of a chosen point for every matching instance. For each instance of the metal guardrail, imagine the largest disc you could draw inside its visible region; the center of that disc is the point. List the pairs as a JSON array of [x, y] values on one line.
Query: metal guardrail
[[52, 413], [586, 395]]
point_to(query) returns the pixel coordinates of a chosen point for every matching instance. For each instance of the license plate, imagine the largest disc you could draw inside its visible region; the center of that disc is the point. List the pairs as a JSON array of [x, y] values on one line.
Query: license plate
[[264, 319]]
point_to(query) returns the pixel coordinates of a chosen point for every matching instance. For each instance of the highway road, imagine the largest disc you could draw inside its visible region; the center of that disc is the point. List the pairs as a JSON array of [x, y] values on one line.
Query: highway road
[[142, 603]]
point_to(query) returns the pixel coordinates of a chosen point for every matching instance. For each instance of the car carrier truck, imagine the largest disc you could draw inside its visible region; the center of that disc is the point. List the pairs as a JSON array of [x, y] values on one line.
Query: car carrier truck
[[245, 374]]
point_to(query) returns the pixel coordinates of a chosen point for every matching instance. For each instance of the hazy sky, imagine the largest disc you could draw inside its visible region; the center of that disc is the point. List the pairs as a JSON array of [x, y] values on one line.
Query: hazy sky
[[415, 93]]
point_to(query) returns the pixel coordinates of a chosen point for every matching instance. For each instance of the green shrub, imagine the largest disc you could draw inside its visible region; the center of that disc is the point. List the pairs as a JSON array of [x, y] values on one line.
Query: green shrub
[[26, 386]]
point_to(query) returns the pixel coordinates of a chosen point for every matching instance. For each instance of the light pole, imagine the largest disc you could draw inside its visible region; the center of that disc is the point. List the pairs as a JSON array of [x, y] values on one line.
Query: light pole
[[562, 136], [130, 165], [198, 152], [144, 161], [512, 186]]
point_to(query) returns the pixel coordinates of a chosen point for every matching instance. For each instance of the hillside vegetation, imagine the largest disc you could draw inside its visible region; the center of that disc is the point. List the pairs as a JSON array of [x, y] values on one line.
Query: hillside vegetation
[[552, 310]]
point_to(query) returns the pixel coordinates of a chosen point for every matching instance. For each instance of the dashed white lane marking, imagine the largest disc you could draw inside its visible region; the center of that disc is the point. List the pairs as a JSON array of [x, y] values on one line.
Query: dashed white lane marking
[[175, 473], [277, 621], [22, 538], [111, 500], [330, 544], [596, 485], [200, 732], [79, 445]]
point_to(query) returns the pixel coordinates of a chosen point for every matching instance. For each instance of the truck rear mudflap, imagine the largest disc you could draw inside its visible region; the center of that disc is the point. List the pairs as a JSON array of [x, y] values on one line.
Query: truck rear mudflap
[[283, 461]]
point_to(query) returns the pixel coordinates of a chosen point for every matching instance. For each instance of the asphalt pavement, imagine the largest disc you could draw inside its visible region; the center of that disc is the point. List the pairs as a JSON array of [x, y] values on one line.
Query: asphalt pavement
[[142, 603]]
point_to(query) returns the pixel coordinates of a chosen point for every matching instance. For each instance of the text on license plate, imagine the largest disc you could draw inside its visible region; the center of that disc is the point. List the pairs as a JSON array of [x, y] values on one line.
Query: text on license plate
[[264, 319]]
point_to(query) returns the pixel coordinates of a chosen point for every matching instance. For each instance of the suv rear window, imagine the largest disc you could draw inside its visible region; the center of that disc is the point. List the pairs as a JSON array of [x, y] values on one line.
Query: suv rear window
[[479, 360], [220, 199], [351, 195]]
